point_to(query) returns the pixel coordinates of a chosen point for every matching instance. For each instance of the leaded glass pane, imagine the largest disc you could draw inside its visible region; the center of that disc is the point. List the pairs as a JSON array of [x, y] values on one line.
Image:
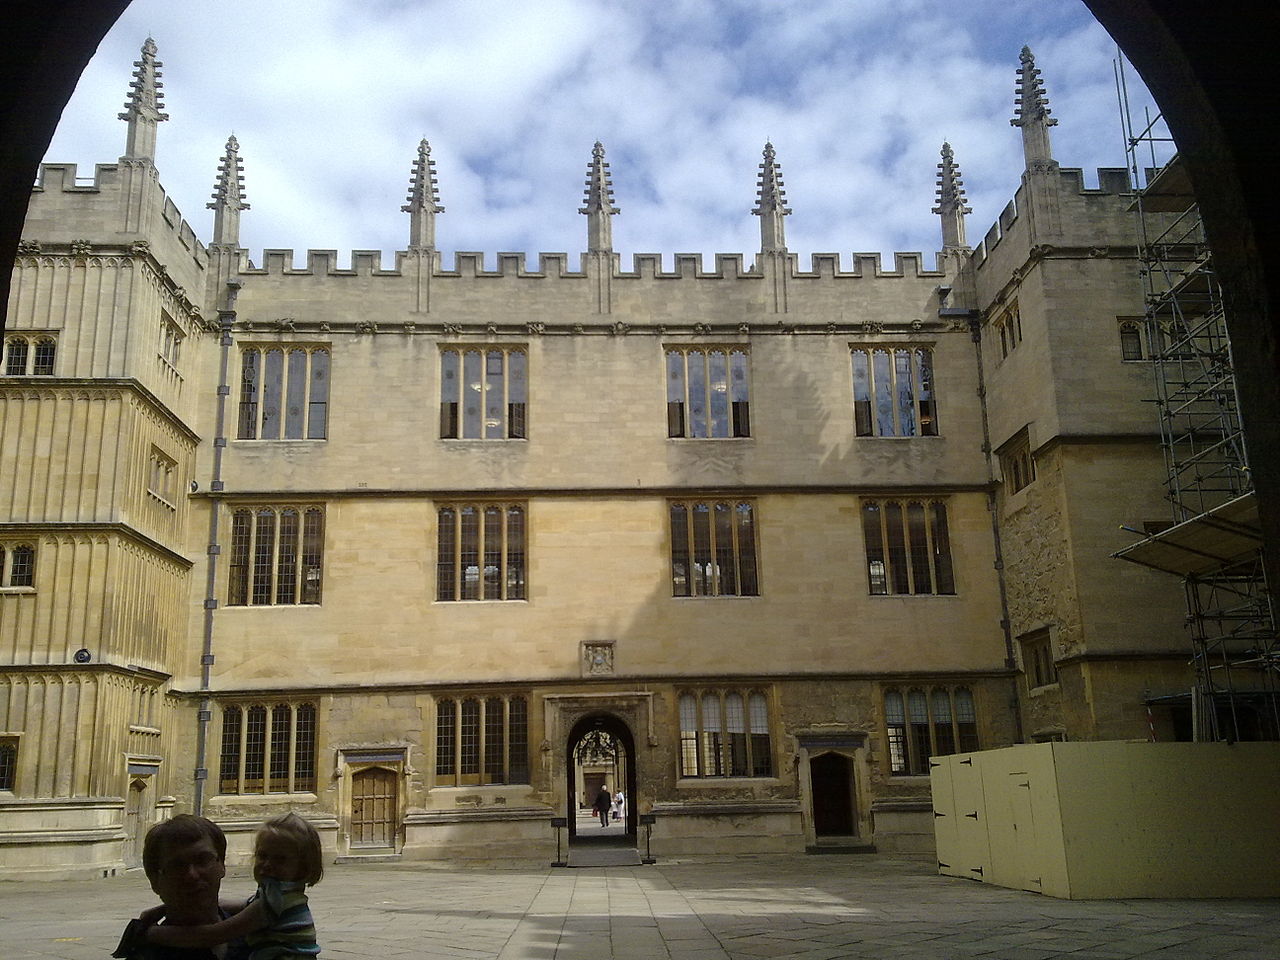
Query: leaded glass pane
[[318, 399], [272, 393]]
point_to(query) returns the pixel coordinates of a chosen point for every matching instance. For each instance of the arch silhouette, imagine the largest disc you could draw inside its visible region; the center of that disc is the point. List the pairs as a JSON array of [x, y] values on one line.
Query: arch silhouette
[[616, 727]]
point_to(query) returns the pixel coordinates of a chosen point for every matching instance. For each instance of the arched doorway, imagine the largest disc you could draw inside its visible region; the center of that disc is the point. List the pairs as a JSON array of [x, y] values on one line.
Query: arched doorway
[[831, 783], [600, 749]]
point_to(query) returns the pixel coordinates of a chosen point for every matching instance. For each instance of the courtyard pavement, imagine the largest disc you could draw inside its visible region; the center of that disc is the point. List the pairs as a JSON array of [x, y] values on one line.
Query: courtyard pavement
[[744, 908]]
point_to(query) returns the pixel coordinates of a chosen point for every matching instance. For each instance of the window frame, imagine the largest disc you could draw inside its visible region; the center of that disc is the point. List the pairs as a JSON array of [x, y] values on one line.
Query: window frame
[[162, 473], [17, 566], [895, 563], [476, 759], [255, 570], [169, 348], [247, 761], [912, 407], [458, 541], [1017, 462], [1038, 664], [38, 355], [269, 387], [708, 749], [10, 749], [1006, 328], [914, 727], [509, 419], [1131, 345], [683, 381], [695, 545]]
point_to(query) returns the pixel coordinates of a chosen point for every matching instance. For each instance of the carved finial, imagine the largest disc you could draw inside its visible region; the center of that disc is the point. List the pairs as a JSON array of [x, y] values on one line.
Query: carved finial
[[599, 203], [951, 201], [771, 203], [423, 200], [1032, 114], [228, 195], [145, 106]]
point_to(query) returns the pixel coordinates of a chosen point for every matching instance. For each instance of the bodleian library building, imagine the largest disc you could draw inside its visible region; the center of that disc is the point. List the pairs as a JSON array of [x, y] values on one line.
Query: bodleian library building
[[428, 553]]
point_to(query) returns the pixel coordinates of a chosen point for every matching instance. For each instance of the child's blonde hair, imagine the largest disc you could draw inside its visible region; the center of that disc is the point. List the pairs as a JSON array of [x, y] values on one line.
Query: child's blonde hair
[[306, 841]]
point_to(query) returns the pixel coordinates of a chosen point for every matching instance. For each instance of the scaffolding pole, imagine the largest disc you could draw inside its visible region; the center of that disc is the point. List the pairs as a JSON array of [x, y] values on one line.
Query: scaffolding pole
[[1234, 652]]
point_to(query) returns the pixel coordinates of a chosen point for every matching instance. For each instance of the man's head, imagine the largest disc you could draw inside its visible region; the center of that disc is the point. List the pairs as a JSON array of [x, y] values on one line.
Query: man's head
[[184, 860]]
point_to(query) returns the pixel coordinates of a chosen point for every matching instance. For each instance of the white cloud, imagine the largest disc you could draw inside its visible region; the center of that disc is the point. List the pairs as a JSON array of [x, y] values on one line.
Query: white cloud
[[330, 97]]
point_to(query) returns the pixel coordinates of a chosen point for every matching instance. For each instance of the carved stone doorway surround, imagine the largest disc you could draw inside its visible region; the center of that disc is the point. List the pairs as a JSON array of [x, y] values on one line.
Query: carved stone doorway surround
[[627, 715]]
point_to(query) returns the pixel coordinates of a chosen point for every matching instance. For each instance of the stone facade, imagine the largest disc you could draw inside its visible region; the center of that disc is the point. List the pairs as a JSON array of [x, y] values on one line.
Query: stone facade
[[257, 574]]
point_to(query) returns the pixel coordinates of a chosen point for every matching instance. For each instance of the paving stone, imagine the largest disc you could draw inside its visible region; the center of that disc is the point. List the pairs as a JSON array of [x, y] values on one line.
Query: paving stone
[[753, 908]]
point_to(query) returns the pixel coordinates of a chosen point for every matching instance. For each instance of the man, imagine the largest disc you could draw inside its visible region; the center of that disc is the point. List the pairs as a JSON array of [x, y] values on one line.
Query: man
[[184, 859], [604, 800]]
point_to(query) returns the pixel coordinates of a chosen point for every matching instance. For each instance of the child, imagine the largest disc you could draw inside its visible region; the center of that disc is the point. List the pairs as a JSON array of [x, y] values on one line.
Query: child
[[276, 921]]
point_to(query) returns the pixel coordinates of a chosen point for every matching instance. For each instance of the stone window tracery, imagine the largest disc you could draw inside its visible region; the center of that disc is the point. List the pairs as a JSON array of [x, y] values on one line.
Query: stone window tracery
[[8, 763], [484, 393], [284, 393], [713, 549], [908, 547], [1037, 659], [17, 565], [724, 733], [29, 356], [277, 555], [482, 740], [923, 722], [1006, 329], [708, 392], [268, 748], [893, 392], [480, 551], [1130, 340], [171, 337], [1017, 465], [162, 477]]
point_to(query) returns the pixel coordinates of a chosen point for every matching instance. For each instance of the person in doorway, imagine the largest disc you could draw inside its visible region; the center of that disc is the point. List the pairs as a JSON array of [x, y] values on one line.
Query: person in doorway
[[184, 859], [620, 806], [604, 800]]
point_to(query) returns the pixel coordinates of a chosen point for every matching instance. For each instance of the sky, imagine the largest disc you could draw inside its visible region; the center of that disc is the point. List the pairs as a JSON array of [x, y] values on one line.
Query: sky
[[329, 99]]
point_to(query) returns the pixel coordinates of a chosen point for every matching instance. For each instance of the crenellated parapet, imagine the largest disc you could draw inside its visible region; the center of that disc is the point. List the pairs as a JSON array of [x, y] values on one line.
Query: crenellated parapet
[[1113, 186], [692, 266], [62, 180]]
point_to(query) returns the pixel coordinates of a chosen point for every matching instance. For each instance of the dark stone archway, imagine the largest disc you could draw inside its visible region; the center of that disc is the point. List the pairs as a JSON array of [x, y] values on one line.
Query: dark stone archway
[[617, 728]]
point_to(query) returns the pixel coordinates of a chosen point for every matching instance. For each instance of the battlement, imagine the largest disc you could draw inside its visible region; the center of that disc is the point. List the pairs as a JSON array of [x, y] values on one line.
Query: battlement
[[470, 264], [1112, 182], [64, 178]]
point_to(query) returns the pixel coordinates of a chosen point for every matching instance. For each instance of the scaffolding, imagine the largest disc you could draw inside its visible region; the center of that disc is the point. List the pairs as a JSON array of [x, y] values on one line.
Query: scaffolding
[[1213, 538]]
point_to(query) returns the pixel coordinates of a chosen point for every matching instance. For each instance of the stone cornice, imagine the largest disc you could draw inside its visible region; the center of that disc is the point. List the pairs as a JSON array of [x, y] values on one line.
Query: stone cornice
[[686, 492], [1042, 252], [32, 253], [69, 528], [613, 686], [482, 330], [69, 669], [92, 388]]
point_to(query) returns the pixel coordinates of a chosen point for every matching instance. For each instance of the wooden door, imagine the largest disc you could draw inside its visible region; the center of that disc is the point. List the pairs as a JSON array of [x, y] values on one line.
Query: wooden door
[[137, 818], [374, 807]]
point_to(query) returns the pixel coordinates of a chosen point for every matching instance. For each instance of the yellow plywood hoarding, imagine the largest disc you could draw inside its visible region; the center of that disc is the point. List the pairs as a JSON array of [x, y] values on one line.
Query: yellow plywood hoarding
[[1113, 819]]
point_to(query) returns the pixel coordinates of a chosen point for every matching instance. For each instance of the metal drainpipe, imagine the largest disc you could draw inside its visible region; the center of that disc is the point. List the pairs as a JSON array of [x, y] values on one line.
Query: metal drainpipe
[[975, 333], [226, 318]]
